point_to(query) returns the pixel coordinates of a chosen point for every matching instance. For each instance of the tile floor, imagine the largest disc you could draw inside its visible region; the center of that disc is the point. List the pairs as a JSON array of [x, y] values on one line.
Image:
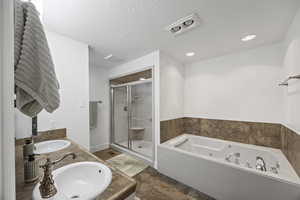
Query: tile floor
[[155, 186], [141, 146]]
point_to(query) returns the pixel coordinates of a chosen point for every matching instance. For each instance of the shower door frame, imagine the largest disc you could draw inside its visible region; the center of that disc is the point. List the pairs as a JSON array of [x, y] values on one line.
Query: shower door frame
[[112, 131]]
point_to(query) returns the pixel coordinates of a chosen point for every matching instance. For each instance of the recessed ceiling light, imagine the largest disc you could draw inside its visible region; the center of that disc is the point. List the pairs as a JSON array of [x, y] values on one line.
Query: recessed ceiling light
[[188, 23], [109, 56], [190, 54], [248, 38], [175, 29]]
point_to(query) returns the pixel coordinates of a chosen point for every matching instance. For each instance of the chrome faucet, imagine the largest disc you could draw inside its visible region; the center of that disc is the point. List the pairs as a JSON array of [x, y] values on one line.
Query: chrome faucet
[[47, 187], [260, 164]]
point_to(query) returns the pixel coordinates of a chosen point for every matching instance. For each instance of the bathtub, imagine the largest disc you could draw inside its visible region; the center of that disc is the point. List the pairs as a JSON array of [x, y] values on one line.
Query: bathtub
[[228, 170]]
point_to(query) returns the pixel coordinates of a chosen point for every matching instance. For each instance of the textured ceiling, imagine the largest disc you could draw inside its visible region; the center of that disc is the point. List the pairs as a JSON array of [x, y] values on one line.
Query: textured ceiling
[[132, 28]]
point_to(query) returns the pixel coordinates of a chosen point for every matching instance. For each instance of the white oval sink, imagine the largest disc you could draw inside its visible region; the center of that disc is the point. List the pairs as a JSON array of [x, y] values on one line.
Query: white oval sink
[[82, 180], [51, 146]]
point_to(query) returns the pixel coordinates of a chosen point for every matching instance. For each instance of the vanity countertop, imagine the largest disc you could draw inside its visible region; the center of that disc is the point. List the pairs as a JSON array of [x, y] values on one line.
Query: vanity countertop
[[121, 187]]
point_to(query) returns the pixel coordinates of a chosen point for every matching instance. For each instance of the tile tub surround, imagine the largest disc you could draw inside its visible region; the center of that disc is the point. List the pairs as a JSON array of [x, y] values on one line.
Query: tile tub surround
[[263, 134], [171, 128], [291, 147], [120, 188]]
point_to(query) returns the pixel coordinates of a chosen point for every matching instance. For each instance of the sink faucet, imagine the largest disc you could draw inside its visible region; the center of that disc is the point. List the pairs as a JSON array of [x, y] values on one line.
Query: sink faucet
[[47, 187], [260, 164]]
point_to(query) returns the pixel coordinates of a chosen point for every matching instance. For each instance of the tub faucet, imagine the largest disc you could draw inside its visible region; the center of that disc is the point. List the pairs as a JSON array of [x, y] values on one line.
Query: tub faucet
[[260, 164], [47, 187], [236, 155]]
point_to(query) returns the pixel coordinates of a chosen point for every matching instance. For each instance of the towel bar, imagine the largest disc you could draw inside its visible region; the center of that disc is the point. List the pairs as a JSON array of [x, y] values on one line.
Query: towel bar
[[286, 81]]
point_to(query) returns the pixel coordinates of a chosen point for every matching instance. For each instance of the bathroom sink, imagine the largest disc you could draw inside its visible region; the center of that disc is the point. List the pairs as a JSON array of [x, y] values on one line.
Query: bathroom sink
[[51, 146], [82, 180]]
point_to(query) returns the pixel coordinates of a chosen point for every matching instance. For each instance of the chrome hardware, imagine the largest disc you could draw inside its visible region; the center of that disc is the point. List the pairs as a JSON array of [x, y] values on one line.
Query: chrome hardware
[[236, 155], [277, 165], [260, 164], [228, 157], [47, 187], [286, 81], [274, 170], [248, 165]]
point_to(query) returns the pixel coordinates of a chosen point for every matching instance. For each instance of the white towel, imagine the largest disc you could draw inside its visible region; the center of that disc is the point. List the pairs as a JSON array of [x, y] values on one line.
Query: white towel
[[36, 83]]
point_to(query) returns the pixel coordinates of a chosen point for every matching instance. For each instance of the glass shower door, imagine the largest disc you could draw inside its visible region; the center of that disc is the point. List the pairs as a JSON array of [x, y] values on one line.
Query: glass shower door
[[140, 118], [120, 116], [132, 117]]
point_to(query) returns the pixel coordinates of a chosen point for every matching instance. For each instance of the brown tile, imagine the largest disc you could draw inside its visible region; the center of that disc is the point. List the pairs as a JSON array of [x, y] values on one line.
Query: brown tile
[[120, 188], [263, 134], [283, 134], [192, 125], [293, 149], [235, 131], [132, 77], [170, 129], [266, 134], [151, 185], [211, 128], [45, 135]]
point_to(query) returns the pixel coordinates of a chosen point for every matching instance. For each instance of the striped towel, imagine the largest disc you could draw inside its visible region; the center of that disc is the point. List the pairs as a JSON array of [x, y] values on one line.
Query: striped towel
[[36, 82]]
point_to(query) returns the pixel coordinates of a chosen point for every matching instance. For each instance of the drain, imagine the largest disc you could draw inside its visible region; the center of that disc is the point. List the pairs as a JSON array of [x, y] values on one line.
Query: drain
[[75, 197], [140, 146]]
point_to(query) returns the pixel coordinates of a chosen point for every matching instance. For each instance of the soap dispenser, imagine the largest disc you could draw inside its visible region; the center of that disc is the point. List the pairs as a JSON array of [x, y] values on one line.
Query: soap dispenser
[[31, 165]]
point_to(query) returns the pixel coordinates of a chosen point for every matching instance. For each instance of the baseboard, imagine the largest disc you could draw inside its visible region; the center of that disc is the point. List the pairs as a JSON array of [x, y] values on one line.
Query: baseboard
[[98, 147]]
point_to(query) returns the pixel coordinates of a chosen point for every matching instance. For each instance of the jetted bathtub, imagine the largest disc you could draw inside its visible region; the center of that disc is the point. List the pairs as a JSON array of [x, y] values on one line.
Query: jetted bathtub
[[229, 170]]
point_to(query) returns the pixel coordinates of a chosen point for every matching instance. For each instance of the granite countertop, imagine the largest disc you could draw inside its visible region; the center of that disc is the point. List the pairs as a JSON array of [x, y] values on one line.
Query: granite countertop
[[120, 188]]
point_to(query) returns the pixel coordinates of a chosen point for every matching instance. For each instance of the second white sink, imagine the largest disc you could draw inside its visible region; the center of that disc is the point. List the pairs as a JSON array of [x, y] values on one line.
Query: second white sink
[[82, 180], [51, 146]]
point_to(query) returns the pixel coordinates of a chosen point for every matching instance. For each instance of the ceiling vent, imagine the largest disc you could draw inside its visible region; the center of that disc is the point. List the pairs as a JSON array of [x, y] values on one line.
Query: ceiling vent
[[184, 24]]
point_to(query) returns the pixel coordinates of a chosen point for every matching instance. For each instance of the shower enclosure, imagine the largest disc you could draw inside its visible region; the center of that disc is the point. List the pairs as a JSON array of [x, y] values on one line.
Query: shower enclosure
[[131, 117]]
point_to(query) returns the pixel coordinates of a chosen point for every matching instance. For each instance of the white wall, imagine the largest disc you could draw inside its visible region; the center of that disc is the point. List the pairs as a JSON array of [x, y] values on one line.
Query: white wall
[[1, 95], [71, 61], [99, 90], [7, 145], [241, 86], [138, 64], [171, 88], [292, 68], [294, 29]]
